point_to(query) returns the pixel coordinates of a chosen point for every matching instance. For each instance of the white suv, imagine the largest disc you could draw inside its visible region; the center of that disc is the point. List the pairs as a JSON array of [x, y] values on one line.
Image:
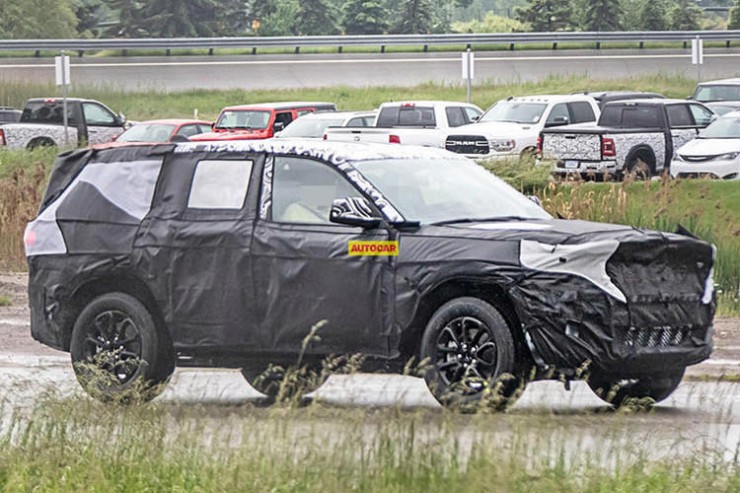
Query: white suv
[[510, 127]]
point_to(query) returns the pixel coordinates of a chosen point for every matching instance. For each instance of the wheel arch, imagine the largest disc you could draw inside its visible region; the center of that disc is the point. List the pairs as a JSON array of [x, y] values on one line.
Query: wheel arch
[[644, 151], [488, 290], [128, 284], [41, 141]]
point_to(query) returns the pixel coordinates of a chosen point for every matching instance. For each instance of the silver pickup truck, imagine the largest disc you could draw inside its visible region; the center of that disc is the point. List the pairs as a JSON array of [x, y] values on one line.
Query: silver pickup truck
[[637, 136], [42, 124]]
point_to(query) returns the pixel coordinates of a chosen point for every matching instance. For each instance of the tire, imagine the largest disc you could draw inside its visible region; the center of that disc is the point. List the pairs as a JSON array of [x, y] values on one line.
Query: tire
[[618, 392], [118, 352], [639, 168], [40, 142], [469, 353], [528, 155], [281, 385]]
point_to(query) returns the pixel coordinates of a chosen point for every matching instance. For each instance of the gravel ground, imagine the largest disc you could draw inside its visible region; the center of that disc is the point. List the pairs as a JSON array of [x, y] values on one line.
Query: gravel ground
[[15, 337]]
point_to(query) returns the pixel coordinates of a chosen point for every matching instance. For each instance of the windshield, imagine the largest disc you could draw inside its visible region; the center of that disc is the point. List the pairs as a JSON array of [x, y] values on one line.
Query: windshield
[[243, 119], [717, 93], [147, 133], [727, 127], [447, 190], [309, 127], [511, 111]]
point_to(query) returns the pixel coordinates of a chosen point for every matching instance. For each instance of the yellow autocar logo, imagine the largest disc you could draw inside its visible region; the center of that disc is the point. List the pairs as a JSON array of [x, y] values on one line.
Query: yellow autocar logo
[[373, 248]]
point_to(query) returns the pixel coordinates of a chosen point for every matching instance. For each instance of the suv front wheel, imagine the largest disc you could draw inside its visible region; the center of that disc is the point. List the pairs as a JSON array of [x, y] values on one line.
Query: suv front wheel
[[469, 356], [117, 351]]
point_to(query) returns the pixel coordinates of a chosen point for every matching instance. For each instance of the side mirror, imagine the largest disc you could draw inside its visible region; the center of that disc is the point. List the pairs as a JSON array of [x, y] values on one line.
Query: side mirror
[[535, 199], [475, 118], [278, 126], [354, 211], [120, 120]]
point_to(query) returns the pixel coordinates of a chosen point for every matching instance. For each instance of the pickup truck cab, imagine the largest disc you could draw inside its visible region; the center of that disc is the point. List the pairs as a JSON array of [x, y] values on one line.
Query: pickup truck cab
[[510, 127], [717, 90], [423, 123], [637, 136], [42, 124], [258, 121]]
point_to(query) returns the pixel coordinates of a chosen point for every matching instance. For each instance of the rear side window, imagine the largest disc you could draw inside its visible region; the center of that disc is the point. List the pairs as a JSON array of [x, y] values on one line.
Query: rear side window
[[411, 116], [47, 112], [581, 112], [619, 116], [455, 116], [679, 116], [220, 184]]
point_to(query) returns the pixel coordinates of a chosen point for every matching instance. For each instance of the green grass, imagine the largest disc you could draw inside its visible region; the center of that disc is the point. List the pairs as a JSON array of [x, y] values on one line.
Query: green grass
[[79, 445]]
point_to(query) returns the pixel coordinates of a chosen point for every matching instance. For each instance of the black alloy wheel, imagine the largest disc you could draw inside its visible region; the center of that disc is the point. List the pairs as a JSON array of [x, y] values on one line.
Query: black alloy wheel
[[469, 355], [118, 352]]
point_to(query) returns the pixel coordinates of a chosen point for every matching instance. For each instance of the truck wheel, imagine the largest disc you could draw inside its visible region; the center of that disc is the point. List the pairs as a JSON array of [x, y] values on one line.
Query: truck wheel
[[639, 168], [528, 155], [468, 350], [279, 385], [618, 391], [40, 142], [118, 354]]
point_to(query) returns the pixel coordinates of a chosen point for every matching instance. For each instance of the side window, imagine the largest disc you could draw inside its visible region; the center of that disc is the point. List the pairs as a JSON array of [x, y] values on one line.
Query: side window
[[303, 190], [219, 184], [702, 116], [204, 128], [97, 115], [455, 116], [472, 114], [304, 112], [189, 130], [679, 116], [356, 122], [368, 121], [559, 111], [284, 118], [581, 112]]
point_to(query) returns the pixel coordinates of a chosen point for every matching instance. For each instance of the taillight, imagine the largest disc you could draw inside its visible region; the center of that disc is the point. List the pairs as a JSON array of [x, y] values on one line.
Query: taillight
[[29, 239], [539, 145], [324, 137], [2, 138], [608, 149], [394, 139]]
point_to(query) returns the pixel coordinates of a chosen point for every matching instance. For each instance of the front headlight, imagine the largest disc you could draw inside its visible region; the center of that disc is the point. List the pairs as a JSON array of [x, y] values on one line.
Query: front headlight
[[729, 156], [502, 145]]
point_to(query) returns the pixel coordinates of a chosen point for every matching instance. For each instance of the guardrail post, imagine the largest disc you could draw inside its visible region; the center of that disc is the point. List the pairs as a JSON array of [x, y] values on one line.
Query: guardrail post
[[210, 51], [598, 45], [685, 44], [555, 45], [124, 52], [339, 49], [167, 52], [426, 48], [80, 53], [382, 48], [254, 50], [642, 44], [297, 50], [37, 53], [727, 43], [468, 47]]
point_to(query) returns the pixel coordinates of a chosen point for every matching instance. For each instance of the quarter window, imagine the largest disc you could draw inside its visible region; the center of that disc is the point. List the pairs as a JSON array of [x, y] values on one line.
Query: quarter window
[[679, 116], [558, 113], [702, 116], [582, 112], [455, 116], [303, 190], [220, 184]]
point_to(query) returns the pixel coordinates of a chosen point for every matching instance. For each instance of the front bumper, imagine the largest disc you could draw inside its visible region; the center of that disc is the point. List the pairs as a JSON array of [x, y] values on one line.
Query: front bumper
[[723, 169]]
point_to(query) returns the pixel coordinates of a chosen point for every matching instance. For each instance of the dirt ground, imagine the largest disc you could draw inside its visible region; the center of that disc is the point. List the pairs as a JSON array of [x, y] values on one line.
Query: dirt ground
[[15, 337]]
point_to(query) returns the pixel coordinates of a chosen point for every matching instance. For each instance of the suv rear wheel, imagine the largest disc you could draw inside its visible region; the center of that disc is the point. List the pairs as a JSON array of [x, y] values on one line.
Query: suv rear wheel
[[468, 350], [118, 352]]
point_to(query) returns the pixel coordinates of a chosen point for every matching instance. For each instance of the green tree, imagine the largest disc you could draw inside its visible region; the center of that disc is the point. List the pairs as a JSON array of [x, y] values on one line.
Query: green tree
[[317, 17], [279, 20], [602, 15], [685, 16], [413, 17], [365, 17], [734, 20], [130, 19], [546, 15], [38, 19], [652, 16]]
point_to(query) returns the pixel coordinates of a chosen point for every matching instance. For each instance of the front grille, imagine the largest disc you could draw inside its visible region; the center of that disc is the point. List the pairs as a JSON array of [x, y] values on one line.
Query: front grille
[[467, 144], [696, 159], [653, 337]]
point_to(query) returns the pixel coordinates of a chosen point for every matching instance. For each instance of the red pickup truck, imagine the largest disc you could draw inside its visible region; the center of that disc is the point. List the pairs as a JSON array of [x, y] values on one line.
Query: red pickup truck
[[258, 121]]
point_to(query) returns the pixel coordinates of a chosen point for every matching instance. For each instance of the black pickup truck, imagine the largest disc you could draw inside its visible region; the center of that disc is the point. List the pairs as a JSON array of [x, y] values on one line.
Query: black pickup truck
[[42, 124], [631, 136]]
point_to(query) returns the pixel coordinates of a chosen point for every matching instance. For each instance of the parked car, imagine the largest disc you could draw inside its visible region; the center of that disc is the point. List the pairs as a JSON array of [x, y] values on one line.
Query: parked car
[[714, 153], [631, 137], [259, 121], [42, 124], [603, 97], [717, 90], [312, 126], [509, 128], [166, 130], [422, 123], [238, 254], [723, 107], [9, 114]]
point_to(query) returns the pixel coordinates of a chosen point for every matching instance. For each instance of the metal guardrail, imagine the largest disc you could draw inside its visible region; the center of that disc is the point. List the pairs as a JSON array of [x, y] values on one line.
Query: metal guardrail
[[382, 41]]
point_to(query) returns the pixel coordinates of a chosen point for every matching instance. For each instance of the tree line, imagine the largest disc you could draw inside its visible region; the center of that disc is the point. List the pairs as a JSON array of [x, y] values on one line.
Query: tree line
[[21, 19]]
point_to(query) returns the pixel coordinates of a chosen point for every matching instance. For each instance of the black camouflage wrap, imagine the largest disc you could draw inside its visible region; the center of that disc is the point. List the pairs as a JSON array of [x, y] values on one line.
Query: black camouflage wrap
[[231, 284]]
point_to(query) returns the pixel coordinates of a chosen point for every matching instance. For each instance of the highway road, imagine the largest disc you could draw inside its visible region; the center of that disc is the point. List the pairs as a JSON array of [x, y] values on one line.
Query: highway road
[[248, 71]]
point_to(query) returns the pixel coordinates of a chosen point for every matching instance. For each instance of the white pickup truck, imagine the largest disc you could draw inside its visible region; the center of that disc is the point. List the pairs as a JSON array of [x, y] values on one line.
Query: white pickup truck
[[509, 129], [422, 123]]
